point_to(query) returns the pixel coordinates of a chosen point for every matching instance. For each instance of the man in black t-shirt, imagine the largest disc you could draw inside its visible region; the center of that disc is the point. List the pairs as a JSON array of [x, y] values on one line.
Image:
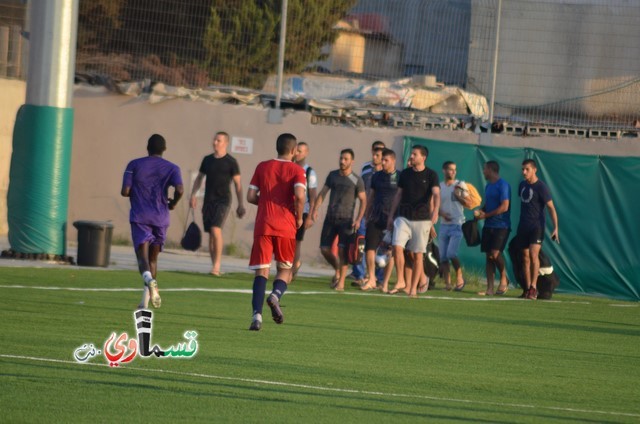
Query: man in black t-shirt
[[415, 208], [346, 187], [219, 169], [535, 196]]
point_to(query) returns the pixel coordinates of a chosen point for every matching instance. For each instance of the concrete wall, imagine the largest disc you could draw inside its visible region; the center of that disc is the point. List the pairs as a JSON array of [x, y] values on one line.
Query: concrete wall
[[110, 130], [12, 97]]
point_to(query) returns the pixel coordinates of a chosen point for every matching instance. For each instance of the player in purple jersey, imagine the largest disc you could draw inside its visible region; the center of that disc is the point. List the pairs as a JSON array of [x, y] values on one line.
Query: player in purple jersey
[[146, 183]]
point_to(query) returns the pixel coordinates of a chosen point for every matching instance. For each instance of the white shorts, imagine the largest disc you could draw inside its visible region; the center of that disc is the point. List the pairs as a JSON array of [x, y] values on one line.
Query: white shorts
[[411, 235]]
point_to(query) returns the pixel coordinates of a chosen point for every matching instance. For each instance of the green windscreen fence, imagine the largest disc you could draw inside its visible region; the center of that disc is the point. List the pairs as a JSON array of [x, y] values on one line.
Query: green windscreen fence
[[599, 253]]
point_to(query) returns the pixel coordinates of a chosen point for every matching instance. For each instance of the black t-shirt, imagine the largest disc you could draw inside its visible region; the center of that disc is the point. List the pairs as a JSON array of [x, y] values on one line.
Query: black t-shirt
[[384, 188], [534, 198], [416, 193], [219, 173]]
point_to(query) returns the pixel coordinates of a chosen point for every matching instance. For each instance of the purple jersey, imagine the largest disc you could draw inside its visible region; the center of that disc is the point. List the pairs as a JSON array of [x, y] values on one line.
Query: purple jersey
[[149, 179]]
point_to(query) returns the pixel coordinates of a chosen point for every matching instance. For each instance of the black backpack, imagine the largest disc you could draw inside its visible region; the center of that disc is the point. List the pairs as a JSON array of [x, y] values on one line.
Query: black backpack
[[432, 260], [192, 238], [471, 233]]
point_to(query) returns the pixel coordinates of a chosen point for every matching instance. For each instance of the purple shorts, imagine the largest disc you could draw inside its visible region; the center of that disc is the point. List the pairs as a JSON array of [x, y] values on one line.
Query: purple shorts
[[143, 233]]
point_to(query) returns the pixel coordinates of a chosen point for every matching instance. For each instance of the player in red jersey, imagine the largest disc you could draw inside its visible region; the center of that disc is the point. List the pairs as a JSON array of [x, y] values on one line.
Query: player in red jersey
[[278, 188]]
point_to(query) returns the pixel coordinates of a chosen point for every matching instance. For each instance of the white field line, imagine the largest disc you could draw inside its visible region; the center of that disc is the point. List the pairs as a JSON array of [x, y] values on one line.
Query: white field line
[[248, 291], [331, 389]]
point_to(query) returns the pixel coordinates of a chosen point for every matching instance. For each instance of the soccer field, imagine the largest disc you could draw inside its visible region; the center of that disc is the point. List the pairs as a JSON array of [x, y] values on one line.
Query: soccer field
[[339, 357]]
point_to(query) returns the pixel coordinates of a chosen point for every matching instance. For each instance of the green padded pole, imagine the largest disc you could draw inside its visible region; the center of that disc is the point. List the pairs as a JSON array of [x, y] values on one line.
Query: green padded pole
[[39, 179]]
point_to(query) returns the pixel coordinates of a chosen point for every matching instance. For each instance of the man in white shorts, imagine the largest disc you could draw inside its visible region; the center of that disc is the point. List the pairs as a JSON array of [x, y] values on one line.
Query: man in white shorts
[[415, 206]]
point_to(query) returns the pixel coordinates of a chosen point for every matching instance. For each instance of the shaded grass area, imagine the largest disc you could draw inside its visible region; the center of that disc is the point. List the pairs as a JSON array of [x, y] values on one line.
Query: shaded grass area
[[339, 357]]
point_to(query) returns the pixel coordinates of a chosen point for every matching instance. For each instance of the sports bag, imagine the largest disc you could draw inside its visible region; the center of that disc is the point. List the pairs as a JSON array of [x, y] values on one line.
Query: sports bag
[[431, 261], [192, 237], [471, 233], [548, 280], [355, 248]]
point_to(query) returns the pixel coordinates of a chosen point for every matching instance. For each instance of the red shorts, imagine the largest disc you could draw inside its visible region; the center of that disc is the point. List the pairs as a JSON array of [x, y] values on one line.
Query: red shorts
[[266, 247]]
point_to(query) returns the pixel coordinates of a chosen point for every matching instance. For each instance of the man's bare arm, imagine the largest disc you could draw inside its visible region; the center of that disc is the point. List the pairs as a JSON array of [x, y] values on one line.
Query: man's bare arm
[[196, 186]]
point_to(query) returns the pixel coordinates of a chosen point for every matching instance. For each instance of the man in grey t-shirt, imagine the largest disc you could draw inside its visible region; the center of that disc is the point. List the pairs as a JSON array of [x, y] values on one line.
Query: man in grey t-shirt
[[453, 197], [346, 187]]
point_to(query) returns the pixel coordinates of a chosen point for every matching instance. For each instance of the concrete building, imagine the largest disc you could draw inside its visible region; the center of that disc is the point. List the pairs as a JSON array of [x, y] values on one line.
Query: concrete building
[[577, 57], [364, 46], [434, 34]]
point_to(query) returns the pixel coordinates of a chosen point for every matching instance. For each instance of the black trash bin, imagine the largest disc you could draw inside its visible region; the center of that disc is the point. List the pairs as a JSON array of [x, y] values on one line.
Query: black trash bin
[[94, 242]]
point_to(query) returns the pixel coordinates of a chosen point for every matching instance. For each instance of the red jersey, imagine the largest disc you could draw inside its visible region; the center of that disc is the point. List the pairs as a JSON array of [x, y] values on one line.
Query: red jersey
[[275, 181]]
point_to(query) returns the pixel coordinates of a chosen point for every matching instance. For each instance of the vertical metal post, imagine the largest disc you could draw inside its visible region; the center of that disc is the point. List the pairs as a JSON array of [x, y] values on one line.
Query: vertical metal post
[[495, 64], [283, 37], [38, 195], [52, 52]]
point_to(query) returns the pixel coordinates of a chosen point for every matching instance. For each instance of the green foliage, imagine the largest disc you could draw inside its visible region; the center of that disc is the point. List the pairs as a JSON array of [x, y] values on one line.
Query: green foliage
[[310, 27], [242, 37], [236, 41], [169, 29], [97, 22], [239, 41]]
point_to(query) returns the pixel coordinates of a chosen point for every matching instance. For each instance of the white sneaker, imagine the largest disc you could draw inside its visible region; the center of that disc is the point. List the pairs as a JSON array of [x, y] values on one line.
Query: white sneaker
[[156, 301]]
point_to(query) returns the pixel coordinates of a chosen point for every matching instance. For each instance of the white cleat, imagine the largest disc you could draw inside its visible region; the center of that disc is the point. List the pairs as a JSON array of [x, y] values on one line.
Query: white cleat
[[156, 301]]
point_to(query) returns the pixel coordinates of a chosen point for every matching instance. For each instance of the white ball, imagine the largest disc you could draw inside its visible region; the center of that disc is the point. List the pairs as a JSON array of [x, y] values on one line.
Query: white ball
[[382, 260]]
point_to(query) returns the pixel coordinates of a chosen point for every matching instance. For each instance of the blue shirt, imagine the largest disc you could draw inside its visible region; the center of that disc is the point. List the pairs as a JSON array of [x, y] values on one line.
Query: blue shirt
[[385, 187], [149, 179], [534, 198], [495, 194]]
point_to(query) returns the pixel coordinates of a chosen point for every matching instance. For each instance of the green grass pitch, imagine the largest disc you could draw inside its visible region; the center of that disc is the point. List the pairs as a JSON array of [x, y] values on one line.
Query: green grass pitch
[[350, 357]]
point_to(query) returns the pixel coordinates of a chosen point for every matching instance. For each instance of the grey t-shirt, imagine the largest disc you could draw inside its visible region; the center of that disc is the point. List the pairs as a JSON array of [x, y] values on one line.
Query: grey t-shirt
[[450, 204], [344, 192]]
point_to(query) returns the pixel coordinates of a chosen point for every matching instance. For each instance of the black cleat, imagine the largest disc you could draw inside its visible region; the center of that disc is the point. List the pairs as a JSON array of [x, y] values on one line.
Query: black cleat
[[276, 312], [255, 325]]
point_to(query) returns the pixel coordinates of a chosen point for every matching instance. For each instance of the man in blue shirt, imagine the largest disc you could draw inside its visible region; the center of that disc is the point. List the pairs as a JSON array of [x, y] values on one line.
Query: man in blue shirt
[[146, 182], [534, 195], [496, 213], [381, 191]]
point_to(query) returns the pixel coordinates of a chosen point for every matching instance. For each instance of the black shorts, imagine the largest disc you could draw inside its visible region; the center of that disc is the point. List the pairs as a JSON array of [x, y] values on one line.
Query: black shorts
[[330, 230], [374, 236], [301, 230], [528, 236], [214, 215], [494, 239]]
